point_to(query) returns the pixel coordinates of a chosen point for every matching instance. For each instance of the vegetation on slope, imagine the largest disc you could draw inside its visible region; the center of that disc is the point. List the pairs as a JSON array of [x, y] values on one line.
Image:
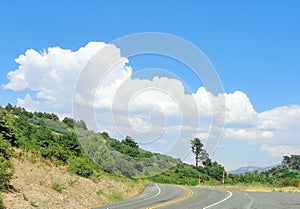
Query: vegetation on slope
[[42, 136], [284, 175], [54, 140]]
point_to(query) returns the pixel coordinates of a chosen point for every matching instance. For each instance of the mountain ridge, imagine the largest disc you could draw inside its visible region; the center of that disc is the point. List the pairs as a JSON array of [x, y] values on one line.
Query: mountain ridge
[[250, 169]]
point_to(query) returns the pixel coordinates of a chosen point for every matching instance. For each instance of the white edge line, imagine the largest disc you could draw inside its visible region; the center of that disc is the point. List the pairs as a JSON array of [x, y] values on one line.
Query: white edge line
[[230, 194], [130, 203]]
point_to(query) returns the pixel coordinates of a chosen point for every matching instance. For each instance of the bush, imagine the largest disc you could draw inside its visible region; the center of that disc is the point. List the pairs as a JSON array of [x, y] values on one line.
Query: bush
[[5, 148], [288, 182], [57, 187], [54, 151], [7, 128], [72, 182], [81, 166], [69, 122], [70, 142], [116, 197], [6, 172], [100, 192]]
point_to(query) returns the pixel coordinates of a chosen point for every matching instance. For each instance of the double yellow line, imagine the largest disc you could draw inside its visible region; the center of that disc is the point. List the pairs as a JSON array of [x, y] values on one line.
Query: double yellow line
[[190, 193]]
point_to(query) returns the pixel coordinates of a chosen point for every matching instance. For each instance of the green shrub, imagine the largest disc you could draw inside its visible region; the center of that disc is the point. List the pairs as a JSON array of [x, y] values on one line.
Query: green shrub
[[287, 182], [6, 172], [57, 187], [5, 148], [100, 192], [33, 203], [25, 197], [81, 166], [96, 177], [70, 142], [69, 122], [116, 197], [72, 182]]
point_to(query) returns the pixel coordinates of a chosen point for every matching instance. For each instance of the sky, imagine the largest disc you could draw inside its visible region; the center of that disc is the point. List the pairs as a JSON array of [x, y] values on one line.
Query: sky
[[254, 47]]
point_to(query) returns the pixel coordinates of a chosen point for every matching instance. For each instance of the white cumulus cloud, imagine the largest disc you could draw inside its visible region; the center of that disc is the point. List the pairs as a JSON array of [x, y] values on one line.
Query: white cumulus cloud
[[51, 75]]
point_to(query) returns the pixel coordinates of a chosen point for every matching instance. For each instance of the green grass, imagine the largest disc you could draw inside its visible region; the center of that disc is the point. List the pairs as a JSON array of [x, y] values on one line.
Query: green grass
[[100, 192], [116, 197], [96, 177], [72, 182], [33, 203], [25, 198], [57, 187]]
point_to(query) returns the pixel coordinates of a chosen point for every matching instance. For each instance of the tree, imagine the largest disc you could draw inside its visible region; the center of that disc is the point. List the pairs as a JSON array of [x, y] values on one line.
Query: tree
[[81, 166], [81, 124], [9, 107], [204, 157], [105, 135], [295, 162], [70, 142], [196, 149], [215, 171], [286, 161], [130, 142], [7, 129], [69, 122]]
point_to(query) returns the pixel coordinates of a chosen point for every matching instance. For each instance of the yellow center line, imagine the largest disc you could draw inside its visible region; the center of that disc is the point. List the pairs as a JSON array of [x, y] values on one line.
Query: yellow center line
[[190, 194]]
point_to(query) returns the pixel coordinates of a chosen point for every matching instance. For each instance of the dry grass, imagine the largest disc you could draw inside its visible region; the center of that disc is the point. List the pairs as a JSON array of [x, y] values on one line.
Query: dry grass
[[33, 187]]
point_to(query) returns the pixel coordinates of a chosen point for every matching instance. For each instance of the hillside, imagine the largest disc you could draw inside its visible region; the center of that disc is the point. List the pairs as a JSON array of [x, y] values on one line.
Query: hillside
[[43, 165], [42, 160], [32, 143], [250, 169]]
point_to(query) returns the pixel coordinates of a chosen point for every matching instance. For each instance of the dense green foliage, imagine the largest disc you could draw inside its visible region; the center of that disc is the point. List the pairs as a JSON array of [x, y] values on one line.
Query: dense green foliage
[[191, 175], [41, 133], [124, 157], [130, 148], [208, 171], [6, 170]]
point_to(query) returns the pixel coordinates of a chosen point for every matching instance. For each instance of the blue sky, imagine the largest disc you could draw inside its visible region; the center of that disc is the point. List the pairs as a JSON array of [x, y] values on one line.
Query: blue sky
[[254, 45]]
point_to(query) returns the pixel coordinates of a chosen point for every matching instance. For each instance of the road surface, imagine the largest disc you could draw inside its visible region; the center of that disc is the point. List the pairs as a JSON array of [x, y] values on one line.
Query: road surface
[[166, 196]]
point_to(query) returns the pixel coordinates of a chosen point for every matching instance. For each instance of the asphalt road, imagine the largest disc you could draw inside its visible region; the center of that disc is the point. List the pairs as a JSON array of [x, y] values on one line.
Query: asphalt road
[[166, 196]]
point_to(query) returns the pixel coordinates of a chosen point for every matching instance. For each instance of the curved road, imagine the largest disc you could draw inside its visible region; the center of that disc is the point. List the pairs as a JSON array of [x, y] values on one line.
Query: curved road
[[166, 196]]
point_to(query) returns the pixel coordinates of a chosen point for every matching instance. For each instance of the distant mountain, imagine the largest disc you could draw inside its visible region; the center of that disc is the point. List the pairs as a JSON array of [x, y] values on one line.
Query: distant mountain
[[250, 169]]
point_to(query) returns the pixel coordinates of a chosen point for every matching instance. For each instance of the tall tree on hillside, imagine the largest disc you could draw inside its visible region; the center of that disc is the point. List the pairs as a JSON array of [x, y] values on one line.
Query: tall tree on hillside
[[196, 149], [204, 157], [285, 163]]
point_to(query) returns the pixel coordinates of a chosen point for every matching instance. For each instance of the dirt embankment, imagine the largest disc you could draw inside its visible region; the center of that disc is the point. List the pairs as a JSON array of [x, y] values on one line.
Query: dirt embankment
[[37, 185]]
